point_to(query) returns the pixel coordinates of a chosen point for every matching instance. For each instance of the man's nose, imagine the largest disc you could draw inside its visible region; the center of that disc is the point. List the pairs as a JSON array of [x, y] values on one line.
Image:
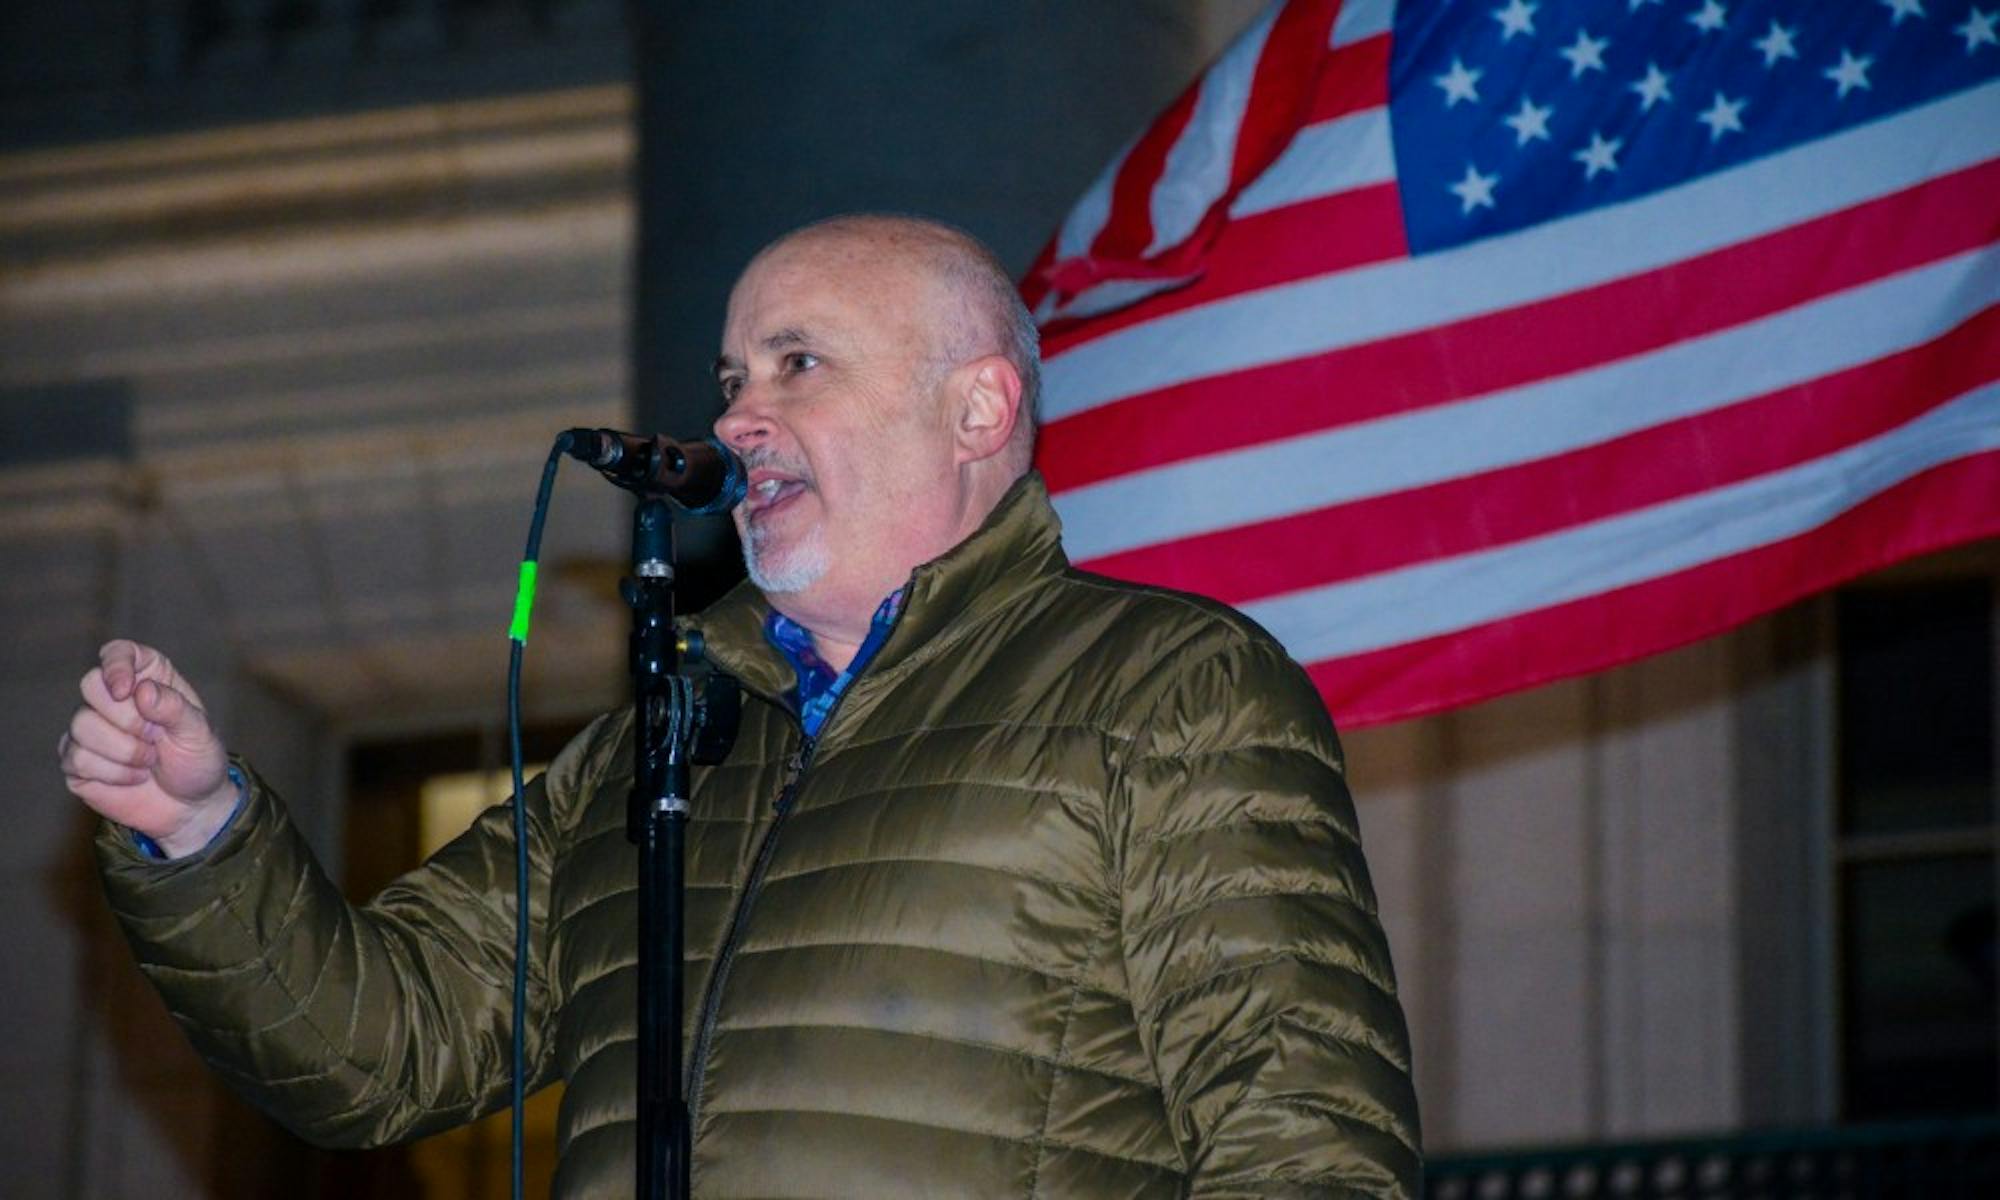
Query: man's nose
[[743, 424]]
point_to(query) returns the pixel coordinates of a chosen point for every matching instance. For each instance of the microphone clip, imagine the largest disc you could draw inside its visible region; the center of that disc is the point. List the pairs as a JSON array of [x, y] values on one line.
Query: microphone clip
[[701, 477]]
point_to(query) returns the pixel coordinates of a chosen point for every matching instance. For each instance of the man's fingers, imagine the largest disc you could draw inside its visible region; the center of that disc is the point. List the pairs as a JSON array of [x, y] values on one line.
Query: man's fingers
[[81, 765], [125, 664], [119, 662], [122, 713], [170, 713], [90, 730], [160, 705]]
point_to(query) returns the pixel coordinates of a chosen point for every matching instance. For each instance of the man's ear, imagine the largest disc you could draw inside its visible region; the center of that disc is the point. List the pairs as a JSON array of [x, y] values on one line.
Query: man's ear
[[988, 396]]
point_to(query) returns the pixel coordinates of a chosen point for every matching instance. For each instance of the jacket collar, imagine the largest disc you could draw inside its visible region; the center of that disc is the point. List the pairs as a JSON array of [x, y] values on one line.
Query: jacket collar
[[1017, 547]]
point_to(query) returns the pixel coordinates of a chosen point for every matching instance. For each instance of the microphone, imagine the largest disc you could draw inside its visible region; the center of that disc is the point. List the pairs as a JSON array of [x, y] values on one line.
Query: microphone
[[702, 477]]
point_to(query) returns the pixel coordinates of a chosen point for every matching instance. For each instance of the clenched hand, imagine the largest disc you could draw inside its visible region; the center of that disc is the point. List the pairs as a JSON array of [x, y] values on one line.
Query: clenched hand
[[140, 751]]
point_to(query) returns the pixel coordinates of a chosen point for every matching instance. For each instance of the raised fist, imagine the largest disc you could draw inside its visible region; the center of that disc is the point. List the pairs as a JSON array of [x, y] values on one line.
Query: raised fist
[[140, 751]]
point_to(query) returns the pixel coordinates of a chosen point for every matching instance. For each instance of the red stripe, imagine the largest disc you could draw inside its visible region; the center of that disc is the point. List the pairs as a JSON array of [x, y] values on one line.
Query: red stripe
[[1128, 229], [1354, 77], [1949, 504], [1534, 341], [1295, 82], [1283, 87], [1034, 284], [1318, 237], [1460, 516], [1307, 239]]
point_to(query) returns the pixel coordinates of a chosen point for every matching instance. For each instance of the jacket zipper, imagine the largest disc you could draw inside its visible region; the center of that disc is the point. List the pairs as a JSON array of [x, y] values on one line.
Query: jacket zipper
[[711, 1000]]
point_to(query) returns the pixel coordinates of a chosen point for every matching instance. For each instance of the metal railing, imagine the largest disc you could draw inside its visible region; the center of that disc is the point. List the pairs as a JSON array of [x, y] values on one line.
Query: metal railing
[[1931, 1160]]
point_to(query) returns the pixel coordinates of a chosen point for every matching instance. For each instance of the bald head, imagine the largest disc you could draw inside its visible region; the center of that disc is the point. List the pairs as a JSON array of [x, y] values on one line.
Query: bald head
[[877, 375], [974, 309]]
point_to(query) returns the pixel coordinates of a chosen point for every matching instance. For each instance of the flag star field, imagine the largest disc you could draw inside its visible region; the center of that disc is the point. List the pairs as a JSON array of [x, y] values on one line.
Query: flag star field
[[1642, 74]]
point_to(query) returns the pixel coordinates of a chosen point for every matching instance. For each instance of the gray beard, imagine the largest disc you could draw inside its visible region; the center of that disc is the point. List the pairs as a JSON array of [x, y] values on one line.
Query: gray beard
[[809, 562]]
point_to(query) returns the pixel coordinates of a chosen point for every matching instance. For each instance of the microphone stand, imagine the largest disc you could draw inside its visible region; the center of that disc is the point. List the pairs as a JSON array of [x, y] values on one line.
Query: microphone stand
[[665, 714], [673, 725]]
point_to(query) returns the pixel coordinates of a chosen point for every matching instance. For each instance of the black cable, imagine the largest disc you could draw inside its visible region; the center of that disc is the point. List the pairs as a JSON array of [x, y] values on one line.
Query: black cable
[[524, 601]]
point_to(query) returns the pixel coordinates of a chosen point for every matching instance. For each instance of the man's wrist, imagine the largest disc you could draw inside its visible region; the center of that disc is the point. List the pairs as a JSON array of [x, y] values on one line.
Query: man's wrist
[[214, 817]]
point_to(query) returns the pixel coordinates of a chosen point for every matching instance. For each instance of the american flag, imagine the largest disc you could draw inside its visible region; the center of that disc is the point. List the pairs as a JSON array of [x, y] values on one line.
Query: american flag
[[1467, 346]]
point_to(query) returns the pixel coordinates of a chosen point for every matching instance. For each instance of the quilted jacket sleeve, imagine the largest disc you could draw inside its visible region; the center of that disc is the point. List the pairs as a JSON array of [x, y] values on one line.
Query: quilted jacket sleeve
[[351, 1025], [1258, 967]]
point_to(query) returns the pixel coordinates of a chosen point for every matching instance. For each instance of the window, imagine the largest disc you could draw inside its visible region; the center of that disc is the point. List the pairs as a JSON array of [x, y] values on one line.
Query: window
[[1915, 850]]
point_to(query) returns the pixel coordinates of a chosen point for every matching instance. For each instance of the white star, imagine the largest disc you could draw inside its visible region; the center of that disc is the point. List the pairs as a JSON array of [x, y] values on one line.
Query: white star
[[1531, 122], [1851, 72], [1723, 116], [1903, 8], [1710, 16], [1979, 27], [1517, 17], [1474, 191], [1653, 88], [1777, 44], [1458, 83], [1585, 54], [1600, 155]]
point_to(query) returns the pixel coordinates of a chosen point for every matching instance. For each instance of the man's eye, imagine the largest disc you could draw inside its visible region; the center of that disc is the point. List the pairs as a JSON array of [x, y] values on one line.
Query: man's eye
[[800, 360], [729, 387]]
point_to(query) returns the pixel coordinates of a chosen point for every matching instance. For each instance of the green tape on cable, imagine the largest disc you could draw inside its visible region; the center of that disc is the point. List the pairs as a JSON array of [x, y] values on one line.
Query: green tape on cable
[[524, 600]]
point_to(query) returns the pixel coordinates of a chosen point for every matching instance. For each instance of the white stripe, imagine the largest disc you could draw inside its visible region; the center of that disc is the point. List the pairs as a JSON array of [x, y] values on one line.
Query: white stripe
[[1362, 305], [1332, 156], [1199, 164], [1361, 19], [1447, 595], [1109, 297], [1534, 421]]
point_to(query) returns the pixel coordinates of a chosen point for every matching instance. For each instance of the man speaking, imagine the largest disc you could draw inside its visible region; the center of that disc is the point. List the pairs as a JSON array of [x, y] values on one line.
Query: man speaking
[[1018, 881]]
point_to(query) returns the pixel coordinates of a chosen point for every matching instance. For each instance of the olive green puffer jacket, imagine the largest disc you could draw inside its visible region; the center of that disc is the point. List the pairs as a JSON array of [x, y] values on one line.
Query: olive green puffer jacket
[[1066, 900]]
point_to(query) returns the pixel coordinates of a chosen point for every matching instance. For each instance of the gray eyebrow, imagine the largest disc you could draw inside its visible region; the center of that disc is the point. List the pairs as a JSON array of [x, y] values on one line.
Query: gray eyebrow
[[781, 339]]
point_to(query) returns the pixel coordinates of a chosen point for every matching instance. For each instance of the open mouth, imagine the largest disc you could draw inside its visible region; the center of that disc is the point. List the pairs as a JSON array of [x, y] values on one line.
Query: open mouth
[[770, 492]]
